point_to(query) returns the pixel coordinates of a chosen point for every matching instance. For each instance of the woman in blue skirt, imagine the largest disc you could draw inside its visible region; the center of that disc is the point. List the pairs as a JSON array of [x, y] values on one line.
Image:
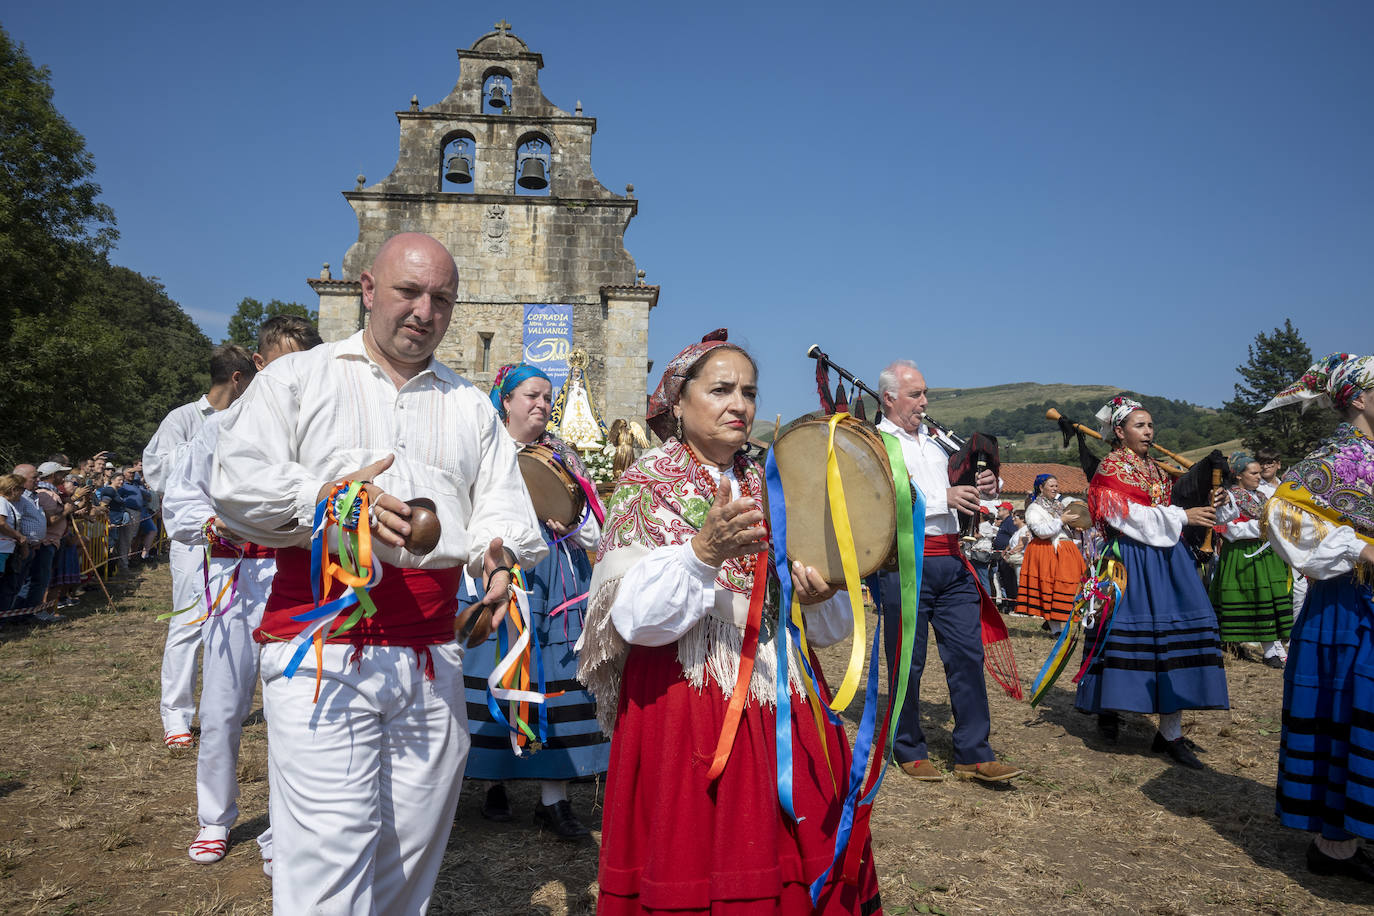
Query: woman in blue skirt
[[1321, 522], [572, 744], [1158, 650]]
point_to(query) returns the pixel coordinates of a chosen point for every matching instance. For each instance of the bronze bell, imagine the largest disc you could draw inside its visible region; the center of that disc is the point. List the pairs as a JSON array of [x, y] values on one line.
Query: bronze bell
[[458, 170], [498, 97], [532, 175]]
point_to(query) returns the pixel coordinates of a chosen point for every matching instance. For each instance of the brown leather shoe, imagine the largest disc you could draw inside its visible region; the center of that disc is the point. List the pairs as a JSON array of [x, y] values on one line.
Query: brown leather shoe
[[923, 770], [988, 771]]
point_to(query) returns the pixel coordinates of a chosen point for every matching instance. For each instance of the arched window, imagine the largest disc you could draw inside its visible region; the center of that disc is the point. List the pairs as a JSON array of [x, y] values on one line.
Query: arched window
[[496, 89], [458, 163], [533, 166]]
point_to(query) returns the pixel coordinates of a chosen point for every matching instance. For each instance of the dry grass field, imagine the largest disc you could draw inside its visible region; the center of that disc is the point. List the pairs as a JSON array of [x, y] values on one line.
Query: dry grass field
[[95, 815]]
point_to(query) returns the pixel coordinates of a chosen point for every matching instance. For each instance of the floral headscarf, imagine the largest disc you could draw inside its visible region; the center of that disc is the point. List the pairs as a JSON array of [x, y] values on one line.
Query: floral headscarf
[[1115, 412], [1336, 481], [669, 390], [1239, 461], [1040, 480], [1316, 384], [509, 378], [1350, 378]]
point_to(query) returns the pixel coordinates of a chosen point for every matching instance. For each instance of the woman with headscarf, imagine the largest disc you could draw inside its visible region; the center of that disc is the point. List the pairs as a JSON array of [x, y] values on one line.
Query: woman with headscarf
[[1252, 590], [575, 747], [1052, 569], [1321, 522], [1158, 651], [685, 537]]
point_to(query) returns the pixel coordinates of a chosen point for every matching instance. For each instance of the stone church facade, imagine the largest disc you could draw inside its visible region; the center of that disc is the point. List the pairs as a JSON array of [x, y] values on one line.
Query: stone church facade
[[559, 245]]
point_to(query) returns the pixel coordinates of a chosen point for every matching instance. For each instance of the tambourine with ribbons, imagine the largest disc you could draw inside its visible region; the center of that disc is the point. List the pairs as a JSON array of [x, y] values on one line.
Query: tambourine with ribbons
[[840, 563], [1094, 608]]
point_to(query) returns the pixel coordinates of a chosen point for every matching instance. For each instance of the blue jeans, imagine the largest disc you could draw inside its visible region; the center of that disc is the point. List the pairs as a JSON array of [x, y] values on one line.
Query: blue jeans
[[16, 574], [40, 574]]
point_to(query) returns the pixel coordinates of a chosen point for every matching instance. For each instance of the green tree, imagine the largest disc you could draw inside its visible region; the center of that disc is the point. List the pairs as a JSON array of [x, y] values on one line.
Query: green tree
[[53, 234], [164, 358], [250, 314], [50, 220], [91, 356], [125, 356], [1275, 361]]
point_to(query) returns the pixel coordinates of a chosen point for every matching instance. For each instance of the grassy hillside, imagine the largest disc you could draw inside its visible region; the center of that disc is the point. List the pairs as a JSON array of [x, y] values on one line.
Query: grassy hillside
[[954, 406]]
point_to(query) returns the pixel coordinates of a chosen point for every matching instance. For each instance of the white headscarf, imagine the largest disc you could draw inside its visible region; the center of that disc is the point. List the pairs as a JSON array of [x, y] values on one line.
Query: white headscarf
[[1115, 412]]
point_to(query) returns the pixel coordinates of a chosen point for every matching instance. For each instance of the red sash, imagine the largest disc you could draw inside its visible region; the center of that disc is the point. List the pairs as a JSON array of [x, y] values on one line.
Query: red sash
[[250, 551], [942, 545], [997, 657], [415, 607]]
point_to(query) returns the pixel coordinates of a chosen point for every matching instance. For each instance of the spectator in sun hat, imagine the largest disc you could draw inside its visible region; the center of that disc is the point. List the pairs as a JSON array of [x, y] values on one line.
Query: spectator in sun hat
[[57, 511]]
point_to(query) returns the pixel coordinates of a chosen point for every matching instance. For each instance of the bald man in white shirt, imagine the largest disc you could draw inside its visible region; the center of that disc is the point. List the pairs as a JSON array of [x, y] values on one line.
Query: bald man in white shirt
[[364, 782]]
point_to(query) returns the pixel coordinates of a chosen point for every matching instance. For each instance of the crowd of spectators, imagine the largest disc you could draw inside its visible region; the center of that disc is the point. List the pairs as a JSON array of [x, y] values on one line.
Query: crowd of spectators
[[43, 508]]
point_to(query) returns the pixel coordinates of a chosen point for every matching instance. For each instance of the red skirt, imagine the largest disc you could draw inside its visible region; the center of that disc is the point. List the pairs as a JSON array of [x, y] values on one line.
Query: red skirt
[[672, 841], [1050, 579]]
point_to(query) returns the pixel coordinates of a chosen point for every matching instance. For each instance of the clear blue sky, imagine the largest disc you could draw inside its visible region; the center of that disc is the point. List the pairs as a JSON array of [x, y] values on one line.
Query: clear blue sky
[[1088, 192]]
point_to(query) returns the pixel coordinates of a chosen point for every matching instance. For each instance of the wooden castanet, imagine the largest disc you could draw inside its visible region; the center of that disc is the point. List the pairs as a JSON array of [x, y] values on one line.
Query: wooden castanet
[[424, 526], [800, 452], [1056, 416]]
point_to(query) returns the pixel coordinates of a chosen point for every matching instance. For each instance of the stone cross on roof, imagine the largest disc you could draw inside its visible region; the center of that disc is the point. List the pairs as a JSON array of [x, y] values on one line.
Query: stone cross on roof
[[503, 27]]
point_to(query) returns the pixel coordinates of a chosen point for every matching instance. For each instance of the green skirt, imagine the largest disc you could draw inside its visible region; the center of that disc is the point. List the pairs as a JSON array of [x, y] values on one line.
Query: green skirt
[[1253, 596]]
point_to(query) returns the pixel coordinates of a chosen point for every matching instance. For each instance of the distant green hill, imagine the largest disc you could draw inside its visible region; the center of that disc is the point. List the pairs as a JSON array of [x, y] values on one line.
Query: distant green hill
[[954, 406], [1016, 415]]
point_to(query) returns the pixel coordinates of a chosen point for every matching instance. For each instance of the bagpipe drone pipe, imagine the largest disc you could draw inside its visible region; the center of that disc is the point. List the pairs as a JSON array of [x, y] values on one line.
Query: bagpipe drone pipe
[[1194, 488]]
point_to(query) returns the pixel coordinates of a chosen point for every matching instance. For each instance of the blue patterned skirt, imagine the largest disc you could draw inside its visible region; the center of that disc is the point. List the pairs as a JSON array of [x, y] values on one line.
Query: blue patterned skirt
[[1162, 653], [1326, 759], [575, 745]]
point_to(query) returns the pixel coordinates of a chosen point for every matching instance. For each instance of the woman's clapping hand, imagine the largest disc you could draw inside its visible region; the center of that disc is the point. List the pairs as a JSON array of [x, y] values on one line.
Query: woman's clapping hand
[[733, 528]]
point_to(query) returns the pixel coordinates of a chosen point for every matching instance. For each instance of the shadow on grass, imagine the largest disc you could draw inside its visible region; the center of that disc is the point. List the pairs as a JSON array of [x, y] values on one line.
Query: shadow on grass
[[547, 871], [1241, 811]]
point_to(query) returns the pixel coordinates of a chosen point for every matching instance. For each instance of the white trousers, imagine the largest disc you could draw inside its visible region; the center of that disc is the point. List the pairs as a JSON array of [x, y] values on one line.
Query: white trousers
[[364, 784], [229, 675], [179, 660]]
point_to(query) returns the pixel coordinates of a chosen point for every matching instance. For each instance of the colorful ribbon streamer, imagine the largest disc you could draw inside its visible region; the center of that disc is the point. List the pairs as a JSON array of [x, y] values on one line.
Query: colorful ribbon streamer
[[343, 513], [858, 804], [216, 606], [1096, 601], [858, 797], [510, 678]]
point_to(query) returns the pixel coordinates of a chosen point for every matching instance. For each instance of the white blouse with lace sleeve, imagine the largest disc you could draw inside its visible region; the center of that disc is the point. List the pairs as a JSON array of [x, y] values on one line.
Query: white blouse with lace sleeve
[[1154, 526]]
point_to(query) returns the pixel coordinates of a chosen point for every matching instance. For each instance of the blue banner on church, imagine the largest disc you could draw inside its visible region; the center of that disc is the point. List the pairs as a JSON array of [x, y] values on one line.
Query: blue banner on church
[[548, 340]]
